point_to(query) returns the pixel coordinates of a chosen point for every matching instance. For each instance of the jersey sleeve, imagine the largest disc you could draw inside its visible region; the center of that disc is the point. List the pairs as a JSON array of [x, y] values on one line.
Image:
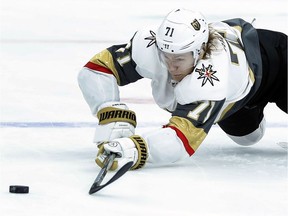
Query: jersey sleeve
[[192, 122], [186, 130], [117, 61], [100, 77]]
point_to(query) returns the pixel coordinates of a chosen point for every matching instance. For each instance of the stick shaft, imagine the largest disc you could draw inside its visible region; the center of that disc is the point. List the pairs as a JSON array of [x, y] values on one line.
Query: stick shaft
[[107, 164]]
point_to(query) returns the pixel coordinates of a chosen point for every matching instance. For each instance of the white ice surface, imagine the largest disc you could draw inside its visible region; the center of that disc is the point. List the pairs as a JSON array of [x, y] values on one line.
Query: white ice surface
[[43, 46]]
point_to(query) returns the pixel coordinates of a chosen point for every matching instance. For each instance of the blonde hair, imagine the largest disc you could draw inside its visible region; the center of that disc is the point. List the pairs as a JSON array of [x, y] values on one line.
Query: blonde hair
[[211, 45]]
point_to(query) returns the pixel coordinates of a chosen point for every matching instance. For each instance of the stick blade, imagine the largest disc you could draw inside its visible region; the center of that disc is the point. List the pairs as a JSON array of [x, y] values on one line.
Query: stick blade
[[95, 187]]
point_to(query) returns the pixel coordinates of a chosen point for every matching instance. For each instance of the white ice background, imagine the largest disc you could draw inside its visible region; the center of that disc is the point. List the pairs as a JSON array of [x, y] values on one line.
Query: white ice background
[[46, 126]]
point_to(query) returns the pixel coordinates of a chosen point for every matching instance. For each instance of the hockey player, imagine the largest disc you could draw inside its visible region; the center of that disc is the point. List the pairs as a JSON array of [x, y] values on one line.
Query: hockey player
[[223, 72]]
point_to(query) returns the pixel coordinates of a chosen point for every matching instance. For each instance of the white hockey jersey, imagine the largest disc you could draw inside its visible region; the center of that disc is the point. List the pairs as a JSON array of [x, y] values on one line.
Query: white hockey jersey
[[217, 87]]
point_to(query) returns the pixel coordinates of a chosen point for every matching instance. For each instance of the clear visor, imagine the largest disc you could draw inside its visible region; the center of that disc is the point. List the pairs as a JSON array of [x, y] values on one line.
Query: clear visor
[[178, 65]]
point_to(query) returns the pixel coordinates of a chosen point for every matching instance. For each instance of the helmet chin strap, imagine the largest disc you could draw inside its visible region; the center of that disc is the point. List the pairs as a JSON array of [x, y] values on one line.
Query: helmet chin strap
[[196, 58]]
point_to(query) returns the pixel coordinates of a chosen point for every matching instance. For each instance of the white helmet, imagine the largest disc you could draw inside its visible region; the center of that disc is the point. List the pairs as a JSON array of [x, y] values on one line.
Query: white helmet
[[182, 31]]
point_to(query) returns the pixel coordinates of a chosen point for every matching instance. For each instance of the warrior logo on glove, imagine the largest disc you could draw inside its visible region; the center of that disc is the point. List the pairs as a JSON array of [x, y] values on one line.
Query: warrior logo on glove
[[112, 114]]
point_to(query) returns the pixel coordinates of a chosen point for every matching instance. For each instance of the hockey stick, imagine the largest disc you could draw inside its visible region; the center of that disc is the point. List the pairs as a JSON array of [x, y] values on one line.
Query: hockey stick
[[107, 164]]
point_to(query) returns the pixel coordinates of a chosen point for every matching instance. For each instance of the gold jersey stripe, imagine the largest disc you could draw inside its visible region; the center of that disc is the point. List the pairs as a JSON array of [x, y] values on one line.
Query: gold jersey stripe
[[239, 28], [251, 75], [105, 59], [226, 110], [194, 135]]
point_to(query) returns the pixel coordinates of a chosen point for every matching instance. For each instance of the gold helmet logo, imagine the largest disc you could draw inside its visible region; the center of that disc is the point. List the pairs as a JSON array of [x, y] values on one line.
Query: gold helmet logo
[[196, 25]]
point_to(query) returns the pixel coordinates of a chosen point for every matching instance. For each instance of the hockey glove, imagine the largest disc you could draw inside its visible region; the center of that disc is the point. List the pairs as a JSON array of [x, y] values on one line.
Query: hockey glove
[[129, 149], [115, 121]]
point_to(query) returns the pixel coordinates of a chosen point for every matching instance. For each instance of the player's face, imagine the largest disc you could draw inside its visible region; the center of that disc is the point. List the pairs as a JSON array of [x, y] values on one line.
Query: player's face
[[178, 65]]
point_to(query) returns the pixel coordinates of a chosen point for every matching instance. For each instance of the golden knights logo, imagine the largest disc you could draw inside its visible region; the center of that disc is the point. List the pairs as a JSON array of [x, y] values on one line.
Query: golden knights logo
[[207, 74], [196, 25]]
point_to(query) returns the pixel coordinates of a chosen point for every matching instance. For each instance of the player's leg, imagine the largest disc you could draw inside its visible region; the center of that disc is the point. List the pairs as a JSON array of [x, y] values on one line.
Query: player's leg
[[246, 127], [274, 59], [281, 96]]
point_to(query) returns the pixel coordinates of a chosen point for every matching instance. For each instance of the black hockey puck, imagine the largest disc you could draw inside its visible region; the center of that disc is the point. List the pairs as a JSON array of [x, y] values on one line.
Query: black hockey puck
[[18, 189]]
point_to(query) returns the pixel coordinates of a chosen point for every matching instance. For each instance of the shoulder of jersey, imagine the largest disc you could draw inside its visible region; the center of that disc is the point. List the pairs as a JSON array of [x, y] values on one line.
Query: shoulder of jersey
[[207, 82], [144, 52], [145, 38]]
